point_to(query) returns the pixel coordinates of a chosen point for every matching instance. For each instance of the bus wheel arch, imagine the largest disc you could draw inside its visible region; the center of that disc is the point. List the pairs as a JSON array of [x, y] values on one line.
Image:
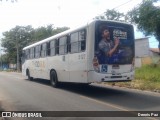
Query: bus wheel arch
[[54, 78], [28, 75]]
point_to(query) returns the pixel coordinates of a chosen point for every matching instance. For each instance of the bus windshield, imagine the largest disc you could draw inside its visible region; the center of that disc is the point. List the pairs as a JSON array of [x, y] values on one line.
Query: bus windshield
[[114, 43]]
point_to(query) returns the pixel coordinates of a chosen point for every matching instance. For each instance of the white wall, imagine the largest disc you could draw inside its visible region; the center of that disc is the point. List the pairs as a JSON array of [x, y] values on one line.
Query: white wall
[[141, 50], [142, 47]]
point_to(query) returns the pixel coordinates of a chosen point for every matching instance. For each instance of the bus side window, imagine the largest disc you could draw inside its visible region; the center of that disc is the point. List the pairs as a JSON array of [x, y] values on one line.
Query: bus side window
[[37, 52], [48, 49], [43, 50], [29, 53], [63, 45], [52, 48], [68, 44], [74, 42], [34, 52], [25, 54], [78, 41], [40, 51], [57, 46], [82, 40]]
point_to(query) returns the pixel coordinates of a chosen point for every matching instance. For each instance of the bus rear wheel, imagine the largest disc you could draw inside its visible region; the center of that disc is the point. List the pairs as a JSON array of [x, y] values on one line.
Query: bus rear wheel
[[54, 79]]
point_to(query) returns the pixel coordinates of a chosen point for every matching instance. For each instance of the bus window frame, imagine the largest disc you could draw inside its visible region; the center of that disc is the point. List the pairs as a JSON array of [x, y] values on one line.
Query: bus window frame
[[79, 42], [57, 47], [52, 47], [44, 50], [63, 45]]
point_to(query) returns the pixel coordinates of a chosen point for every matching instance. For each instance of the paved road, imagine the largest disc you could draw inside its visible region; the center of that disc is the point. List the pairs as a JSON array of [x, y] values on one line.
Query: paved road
[[19, 94]]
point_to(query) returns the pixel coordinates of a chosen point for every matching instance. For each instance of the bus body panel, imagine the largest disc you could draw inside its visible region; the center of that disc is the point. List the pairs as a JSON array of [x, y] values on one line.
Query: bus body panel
[[37, 67], [78, 67], [91, 42], [60, 65]]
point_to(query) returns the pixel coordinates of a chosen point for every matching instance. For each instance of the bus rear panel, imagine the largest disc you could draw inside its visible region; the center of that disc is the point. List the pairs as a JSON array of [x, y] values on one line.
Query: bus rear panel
[[111, 62]]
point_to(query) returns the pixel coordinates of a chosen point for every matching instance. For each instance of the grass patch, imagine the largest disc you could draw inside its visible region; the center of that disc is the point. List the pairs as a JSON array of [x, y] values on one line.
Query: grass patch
[[149, 73], [146, 78]]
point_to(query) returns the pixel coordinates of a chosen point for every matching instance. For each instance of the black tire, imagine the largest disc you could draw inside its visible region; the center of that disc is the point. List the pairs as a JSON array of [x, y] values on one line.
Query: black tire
[[54, 79], [28, 75]]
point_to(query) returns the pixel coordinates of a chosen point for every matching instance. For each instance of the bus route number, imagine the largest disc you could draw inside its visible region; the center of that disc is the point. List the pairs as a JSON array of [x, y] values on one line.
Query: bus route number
[[81, 57]]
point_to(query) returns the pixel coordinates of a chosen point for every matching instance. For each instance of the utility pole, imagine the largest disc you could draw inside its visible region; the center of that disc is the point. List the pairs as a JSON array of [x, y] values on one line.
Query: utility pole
[[1, 58], [17, 47], [19, 31]]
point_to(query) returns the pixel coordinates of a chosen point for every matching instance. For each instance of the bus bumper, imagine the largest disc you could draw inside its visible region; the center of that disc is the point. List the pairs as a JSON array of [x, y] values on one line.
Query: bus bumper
[[119, 77]]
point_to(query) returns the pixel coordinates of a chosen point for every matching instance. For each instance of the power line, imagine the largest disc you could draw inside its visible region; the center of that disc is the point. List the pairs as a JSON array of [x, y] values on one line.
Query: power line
[[122, 4], [117, 7], [102, 14]]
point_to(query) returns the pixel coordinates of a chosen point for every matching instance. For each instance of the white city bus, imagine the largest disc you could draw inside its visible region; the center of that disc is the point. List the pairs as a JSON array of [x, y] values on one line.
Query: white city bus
[[74, 55]]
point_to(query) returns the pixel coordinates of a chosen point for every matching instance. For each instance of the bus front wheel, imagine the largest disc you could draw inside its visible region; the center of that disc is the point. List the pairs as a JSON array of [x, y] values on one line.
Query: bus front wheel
[[54, 79], [28, 75]]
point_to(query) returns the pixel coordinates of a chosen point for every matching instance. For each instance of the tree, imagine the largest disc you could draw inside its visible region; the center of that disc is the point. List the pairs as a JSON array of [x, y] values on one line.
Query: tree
[[4, 59], [17, 38], [42, 33], [45, 32], [59, 29], [14, 40], [112, 15], [147, 18]]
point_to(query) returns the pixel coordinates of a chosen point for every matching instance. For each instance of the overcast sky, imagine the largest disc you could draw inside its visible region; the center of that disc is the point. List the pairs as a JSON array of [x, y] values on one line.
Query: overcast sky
[[61, 13]]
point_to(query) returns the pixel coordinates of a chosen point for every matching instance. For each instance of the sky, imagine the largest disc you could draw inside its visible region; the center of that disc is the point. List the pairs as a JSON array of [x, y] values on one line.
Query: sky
[[60, 13]]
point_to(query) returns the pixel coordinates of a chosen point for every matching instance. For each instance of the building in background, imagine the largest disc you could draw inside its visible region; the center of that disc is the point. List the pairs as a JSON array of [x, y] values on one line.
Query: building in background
[[142, 52]]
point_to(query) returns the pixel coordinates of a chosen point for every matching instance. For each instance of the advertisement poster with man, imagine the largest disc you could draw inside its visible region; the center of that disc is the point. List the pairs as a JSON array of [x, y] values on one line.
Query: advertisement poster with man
[[114, 46]]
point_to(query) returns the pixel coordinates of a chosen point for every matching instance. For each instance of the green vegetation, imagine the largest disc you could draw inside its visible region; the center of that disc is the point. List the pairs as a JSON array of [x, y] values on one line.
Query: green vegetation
[[146, 78], [149, 73], [145, 15], [21, 36]]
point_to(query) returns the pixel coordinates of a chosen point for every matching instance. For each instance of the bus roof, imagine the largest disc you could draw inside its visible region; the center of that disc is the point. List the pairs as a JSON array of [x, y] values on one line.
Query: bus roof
[[54, 37]]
